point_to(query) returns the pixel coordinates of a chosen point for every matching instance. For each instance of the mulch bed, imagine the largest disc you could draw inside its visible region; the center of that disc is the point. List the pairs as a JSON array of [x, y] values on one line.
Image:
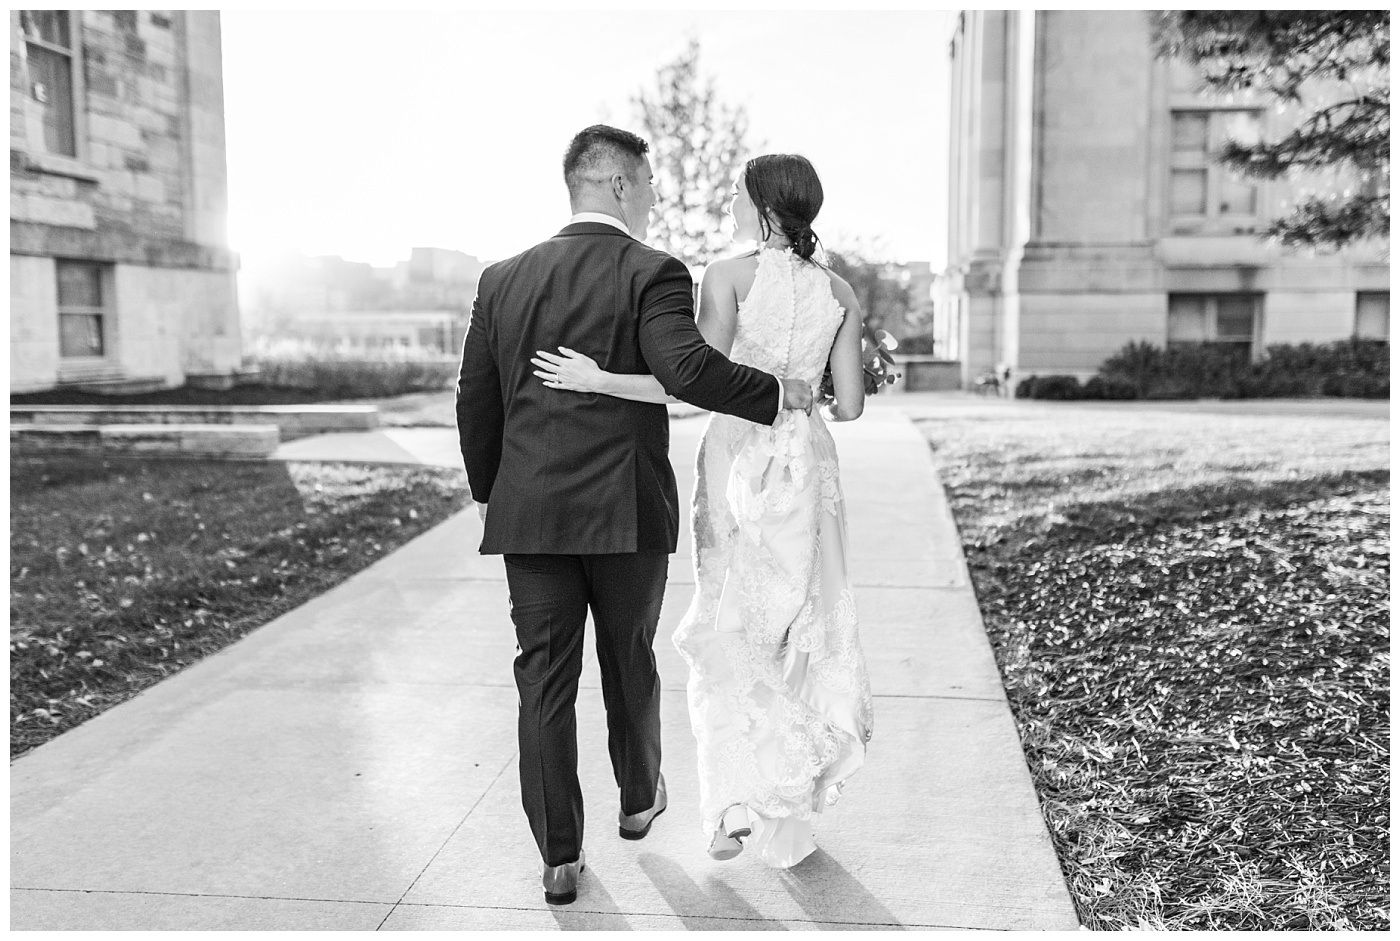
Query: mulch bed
[[124, 571], [1200, 677]]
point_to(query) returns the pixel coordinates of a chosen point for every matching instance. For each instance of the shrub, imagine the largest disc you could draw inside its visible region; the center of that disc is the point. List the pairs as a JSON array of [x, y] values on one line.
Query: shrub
[[342, 373], [1109, 387], [1354, 368], [1054, 388], [1359, 368], [1068, 388], [358, 379]]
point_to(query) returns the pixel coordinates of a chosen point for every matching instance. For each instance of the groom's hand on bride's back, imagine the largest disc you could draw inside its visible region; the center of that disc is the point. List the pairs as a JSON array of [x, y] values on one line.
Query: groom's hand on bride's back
[[797, 395]]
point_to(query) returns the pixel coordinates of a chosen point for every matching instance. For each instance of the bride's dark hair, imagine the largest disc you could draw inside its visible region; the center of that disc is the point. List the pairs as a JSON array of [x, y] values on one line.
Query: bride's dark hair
[[785, 188]]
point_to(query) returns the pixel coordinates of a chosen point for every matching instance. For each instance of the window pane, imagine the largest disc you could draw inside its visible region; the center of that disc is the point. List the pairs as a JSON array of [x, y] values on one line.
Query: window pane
[[1189, 131], [1242, 127], [1186, 319], [79, 335], [79, 284], [1234, 318], [1373, 315], [48, 25], [1188, 196], [1237, 196], [51, 75]]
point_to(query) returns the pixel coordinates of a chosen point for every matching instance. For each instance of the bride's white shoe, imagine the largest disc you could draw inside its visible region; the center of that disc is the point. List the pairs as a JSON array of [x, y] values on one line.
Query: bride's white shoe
[[728, 838]]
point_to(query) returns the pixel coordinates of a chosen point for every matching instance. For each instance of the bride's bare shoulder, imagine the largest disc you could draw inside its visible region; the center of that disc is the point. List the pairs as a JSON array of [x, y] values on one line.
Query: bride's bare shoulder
[[735, 273], [842, 291], [734, 266]]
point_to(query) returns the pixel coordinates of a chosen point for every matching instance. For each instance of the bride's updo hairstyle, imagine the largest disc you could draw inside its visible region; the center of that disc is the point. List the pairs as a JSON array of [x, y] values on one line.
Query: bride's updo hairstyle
[[785, 189]]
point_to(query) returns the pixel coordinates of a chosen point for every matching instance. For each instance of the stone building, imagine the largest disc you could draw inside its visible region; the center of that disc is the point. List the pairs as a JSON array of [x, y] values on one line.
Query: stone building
[[1085, 211], [120, 272]]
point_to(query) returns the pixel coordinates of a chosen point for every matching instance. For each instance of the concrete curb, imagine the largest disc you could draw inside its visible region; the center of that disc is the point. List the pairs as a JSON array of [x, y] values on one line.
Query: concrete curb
[[292, 421], [232, 442]]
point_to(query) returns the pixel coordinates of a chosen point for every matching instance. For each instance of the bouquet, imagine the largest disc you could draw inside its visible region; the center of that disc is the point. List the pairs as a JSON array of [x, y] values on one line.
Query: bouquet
[[876, 361]]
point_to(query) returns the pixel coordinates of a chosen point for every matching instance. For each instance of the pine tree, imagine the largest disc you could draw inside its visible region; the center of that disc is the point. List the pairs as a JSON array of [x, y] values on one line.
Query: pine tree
[[1288, 55], [697, 147]]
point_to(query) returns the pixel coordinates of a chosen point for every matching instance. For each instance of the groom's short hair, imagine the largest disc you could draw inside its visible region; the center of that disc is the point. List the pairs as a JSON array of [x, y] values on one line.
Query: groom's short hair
[[597, 151]]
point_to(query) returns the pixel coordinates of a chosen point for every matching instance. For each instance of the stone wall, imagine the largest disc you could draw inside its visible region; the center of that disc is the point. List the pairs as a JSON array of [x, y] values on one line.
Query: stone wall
[[146, 194], [1087, 253], [169, 324], [1092, 149], [33, 323]]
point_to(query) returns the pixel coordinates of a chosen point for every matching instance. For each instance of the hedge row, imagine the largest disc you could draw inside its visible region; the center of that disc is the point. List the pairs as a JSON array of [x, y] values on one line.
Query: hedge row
[[357, 379], [1347, 368]]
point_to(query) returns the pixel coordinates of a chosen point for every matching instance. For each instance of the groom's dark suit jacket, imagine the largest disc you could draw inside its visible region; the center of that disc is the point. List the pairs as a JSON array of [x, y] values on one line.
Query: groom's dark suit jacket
[[581, 473]]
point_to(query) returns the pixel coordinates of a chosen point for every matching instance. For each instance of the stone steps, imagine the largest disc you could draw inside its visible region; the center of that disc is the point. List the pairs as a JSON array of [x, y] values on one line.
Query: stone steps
[[230, 442], [292, 421]]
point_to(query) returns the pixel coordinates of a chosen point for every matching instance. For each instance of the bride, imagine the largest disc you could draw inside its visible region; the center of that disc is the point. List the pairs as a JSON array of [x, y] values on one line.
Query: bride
[[780, 702]]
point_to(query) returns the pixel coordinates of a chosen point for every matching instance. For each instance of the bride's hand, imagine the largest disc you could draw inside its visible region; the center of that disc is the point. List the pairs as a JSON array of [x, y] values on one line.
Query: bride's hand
[[572, 371]]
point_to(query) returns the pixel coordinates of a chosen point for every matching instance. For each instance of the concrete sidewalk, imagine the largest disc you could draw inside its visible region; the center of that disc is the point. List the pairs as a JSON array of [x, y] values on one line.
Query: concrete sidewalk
[[352, 765]]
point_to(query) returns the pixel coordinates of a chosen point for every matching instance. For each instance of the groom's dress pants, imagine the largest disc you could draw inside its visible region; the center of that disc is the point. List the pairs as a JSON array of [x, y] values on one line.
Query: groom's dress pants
[[550, 597]]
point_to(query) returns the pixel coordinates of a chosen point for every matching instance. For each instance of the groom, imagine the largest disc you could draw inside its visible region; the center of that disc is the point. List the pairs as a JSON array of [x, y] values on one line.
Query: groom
[[582, 498]]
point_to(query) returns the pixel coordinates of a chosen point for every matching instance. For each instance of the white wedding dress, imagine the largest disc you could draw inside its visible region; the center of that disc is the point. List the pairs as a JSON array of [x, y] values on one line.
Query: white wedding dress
[[779, 697]]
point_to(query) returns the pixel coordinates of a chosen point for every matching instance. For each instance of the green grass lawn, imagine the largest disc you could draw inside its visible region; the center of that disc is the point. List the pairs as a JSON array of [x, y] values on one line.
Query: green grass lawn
[[1191, 617], [125, 570]]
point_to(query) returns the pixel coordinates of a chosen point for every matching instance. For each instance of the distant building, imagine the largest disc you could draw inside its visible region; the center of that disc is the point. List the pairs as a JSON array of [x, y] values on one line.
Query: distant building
[[444, 266], [358, 308], [1085, 211], [274, 288], [410, 334], [120, 272]]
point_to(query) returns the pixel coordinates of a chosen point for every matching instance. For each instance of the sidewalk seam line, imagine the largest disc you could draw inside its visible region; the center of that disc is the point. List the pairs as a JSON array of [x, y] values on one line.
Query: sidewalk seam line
[[495, 908], [201, 895], [674, 914], [487, 790], [937, 696]]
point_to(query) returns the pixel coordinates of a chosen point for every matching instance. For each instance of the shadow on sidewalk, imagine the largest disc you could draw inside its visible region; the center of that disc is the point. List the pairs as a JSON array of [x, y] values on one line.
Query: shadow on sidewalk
[[602, 913], [683, 896], [828, 893], [830, 896]]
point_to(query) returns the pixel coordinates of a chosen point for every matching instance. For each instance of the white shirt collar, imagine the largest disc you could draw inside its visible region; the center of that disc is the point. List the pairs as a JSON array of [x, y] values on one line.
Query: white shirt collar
[[600, 217]]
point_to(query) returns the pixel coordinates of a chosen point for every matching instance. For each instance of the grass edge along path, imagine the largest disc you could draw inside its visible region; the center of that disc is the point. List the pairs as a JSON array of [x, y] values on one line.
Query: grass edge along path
[[124, 571], [1199, 673]]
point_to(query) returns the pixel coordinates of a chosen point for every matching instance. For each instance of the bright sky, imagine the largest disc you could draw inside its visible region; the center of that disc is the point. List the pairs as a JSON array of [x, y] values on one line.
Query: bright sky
[[363, 134]]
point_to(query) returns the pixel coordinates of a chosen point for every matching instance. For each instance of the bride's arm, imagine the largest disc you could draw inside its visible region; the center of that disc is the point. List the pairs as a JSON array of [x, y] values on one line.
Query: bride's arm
[[847, 370], [719, 306], [575, 372]]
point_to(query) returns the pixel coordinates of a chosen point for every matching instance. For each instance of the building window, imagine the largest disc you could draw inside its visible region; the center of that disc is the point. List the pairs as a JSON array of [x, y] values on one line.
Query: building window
[[1372, 315], [82, 310], [1227, 320], [50, 48], [1200, 187]]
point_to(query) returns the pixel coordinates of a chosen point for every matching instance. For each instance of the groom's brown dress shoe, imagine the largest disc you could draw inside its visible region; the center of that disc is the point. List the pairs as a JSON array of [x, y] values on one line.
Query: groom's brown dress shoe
[[636, 826], [561, 882]]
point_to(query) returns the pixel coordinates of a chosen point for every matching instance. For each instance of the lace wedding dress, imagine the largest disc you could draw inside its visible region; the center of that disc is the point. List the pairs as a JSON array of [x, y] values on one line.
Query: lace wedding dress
[[780, 701]]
